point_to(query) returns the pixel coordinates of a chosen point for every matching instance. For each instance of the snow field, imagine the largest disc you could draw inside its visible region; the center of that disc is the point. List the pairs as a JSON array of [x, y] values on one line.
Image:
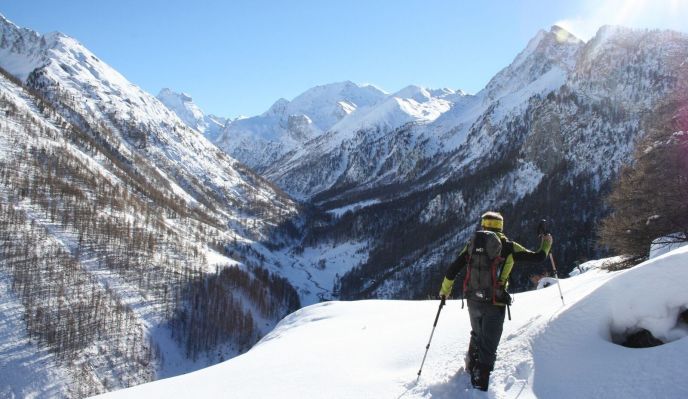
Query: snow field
[[373, 349]]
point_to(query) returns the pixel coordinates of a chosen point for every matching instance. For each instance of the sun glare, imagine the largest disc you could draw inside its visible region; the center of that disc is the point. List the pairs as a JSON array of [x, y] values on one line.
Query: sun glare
[[669, 14]]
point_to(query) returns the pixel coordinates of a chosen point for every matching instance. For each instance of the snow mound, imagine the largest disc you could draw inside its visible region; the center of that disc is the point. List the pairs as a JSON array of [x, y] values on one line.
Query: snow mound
[[574, 356], [373, 349], [650, 299]]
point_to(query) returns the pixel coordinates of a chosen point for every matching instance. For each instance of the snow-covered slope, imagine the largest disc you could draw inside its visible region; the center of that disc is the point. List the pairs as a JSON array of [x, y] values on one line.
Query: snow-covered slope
[[373, 349], [182, 105], [91, 94], [113, 214], [23, 50]]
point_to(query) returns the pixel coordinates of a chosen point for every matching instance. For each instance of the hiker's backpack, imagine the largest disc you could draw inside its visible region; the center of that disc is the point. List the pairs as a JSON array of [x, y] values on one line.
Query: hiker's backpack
[[484, 259]]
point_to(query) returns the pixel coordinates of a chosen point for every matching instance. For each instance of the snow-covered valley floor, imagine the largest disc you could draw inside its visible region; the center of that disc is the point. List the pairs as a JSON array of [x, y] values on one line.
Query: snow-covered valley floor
[[373, 349]]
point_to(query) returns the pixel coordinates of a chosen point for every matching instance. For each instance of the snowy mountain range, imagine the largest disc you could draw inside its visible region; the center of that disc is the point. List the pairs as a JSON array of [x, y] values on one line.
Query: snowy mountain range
[[558, 121], [323, 129], [259, 141], [136, 249]]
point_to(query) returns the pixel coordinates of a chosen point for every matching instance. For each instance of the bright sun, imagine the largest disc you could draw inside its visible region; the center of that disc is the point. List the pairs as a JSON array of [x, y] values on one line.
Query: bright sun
[[662, 14]]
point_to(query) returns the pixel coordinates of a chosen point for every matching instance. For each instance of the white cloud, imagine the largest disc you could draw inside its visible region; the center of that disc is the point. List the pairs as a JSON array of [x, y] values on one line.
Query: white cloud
[[661, 14]]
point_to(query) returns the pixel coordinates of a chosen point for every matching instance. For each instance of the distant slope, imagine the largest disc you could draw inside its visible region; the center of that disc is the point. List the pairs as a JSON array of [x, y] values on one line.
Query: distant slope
[[374, 348]]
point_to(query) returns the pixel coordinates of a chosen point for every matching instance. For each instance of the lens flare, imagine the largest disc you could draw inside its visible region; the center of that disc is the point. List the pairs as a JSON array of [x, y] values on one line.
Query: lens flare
[[662, 14]]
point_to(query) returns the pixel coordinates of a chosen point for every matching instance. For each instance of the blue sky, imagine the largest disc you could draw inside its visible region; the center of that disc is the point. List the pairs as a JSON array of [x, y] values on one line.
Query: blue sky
[[238, 57]]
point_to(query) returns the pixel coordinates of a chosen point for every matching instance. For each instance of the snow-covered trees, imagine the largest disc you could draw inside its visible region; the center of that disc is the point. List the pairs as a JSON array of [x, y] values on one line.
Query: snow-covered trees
[[97, 247], [216, 314]]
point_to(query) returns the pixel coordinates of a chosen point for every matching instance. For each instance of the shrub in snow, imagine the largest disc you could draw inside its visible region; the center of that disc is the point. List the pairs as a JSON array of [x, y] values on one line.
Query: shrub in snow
[[663, 245]]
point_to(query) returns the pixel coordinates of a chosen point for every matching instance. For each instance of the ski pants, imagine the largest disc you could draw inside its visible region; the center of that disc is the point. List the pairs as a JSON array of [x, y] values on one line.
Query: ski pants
[[487, 321]]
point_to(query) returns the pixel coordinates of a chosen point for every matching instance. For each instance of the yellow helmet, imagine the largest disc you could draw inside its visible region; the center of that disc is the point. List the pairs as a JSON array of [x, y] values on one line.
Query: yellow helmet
[[492, 221]]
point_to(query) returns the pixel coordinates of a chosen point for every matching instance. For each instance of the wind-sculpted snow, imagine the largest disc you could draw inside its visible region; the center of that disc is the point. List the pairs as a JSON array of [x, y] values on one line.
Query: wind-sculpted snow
[[373, 349], [648, 296]]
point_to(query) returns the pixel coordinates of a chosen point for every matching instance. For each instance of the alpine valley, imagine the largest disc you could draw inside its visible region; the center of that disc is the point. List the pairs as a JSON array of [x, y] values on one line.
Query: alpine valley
[[142, 239], [403, 177]]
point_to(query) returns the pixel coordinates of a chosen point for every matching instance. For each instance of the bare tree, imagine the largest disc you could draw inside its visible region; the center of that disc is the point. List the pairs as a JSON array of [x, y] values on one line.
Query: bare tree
[[649, 199]]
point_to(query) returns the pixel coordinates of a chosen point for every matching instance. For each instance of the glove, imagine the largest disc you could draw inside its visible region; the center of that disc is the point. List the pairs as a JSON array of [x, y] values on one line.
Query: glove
[[446, 289], [501, 295], [546, 244]]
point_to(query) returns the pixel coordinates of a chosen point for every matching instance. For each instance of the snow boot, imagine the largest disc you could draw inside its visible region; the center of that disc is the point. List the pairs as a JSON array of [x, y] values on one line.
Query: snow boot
[[480, 377], [471, 358]]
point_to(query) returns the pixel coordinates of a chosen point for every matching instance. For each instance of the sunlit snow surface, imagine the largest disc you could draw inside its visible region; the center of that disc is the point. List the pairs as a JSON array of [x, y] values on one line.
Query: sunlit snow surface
[[373, 349]]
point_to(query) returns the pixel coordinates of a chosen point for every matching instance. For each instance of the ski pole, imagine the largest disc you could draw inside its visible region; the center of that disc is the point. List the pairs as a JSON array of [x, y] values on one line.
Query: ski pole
[[556, 275], [542, 230], [427, 347]]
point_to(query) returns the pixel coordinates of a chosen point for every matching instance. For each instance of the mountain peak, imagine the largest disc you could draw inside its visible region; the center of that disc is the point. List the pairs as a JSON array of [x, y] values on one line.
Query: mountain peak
[[341, 90], [278, 108], [182, 104], [549, 55], [171, 94], [562, 35], [4, 22], [414, 92], [544, 40]]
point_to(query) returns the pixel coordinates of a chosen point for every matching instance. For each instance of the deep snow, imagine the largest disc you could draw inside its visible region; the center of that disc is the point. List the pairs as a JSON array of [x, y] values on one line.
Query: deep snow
[[373, 349]]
